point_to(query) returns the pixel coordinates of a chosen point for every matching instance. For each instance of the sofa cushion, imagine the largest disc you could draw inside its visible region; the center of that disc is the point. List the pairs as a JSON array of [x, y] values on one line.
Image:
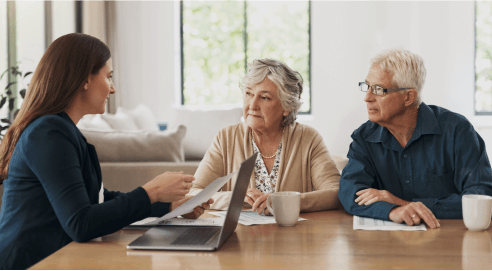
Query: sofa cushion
[[340, 161], [125, 177], [93, 122], [202, 126], [137, 146], [142, 117], [120, 121]]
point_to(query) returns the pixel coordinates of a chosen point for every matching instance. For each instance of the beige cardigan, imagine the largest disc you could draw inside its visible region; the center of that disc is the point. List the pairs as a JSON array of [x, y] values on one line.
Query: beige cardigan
[[305, 166]]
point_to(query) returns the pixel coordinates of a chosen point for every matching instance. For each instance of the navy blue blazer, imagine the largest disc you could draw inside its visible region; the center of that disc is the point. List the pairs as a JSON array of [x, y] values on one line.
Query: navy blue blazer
[[51, 195]]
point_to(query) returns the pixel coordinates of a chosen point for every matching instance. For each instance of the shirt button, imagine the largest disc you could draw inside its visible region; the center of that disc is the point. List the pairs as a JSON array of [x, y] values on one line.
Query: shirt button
[[405, 156], [408, 181]]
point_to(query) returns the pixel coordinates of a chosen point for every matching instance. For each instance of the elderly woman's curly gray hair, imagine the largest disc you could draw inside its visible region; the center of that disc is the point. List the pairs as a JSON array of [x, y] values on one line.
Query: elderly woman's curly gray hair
[[288, 82]]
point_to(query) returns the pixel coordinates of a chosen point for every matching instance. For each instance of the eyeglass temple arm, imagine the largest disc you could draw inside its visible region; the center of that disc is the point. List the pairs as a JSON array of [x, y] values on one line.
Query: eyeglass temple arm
[[394, 89]]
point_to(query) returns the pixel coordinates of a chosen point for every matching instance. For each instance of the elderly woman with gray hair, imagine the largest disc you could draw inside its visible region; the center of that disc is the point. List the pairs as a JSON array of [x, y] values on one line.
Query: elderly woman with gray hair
[[293, 156]]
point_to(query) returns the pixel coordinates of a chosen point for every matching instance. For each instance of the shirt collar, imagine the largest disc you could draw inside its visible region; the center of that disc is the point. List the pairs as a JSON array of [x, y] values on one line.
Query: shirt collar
[[426, 124], [427, 118], [383, 135], [66, 117]]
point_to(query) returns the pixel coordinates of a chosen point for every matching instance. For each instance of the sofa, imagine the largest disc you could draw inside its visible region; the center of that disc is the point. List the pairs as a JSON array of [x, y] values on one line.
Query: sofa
[[132, 150], [125, 177]]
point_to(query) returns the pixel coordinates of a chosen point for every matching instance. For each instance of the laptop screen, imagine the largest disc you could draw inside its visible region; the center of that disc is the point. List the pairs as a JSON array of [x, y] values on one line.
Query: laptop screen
[[237, 198]]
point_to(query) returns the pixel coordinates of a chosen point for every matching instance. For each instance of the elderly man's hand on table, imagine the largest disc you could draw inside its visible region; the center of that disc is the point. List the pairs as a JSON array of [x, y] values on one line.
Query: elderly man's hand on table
[[197, 211], [371, 195], [412, 214]]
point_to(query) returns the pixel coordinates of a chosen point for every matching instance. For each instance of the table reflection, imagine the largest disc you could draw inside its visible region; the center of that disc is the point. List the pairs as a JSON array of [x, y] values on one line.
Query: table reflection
[[176, 260], [416, 238], [477, 250]]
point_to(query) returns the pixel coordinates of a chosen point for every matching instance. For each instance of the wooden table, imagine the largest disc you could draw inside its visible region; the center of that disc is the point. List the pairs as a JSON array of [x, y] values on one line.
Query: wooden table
[[324, 241]]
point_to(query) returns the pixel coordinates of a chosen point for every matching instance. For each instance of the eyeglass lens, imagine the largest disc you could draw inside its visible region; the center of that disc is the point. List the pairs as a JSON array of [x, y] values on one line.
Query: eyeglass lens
[[364, 87], [377, 90]]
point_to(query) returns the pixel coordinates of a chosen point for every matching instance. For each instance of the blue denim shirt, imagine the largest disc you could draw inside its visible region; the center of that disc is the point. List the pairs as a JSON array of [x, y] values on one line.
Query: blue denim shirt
[[444, 159]]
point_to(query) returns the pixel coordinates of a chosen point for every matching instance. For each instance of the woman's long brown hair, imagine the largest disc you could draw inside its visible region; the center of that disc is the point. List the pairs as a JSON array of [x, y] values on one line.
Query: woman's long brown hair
[[61, 73]]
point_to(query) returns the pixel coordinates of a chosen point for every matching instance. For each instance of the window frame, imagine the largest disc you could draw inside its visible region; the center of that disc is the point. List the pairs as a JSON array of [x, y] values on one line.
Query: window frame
[[11, 38], [181, 51], [477, 113]]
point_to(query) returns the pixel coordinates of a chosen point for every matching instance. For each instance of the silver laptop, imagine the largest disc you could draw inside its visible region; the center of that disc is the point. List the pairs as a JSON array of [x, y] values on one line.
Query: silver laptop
[[200, 237]]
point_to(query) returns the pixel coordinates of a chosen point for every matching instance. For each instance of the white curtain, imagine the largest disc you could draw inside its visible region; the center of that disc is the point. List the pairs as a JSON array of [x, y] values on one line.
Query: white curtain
[[111, 34], [99, 20]]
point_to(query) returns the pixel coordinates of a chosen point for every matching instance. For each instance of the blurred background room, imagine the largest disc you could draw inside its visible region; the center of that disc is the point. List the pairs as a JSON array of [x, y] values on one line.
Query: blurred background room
[[169, 55]]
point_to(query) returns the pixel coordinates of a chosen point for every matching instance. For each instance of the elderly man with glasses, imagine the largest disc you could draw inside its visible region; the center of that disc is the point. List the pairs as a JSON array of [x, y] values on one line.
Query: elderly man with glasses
[[410, 162]]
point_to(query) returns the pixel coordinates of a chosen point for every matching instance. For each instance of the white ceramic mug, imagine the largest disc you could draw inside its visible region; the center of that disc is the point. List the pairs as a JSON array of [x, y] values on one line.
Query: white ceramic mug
[[477, 211], [286, 207]]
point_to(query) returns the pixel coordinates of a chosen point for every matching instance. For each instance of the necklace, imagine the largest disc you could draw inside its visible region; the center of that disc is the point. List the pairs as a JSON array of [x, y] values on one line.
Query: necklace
[[264, 157]]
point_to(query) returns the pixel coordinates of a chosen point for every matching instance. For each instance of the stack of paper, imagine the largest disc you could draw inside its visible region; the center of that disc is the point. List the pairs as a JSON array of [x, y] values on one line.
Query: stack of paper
[[249, 218], [365, 223]]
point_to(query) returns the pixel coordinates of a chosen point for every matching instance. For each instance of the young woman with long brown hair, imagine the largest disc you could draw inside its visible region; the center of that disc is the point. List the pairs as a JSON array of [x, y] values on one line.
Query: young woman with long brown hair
[[52, 179]]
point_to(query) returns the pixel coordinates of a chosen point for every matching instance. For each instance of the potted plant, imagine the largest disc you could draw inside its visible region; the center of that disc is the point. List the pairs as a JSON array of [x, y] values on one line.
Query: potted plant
[[7, 95]]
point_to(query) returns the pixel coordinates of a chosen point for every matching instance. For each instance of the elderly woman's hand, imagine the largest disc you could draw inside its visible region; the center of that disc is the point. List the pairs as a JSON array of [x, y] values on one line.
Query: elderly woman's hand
[[252, 195], [260, 205], [197, 211]]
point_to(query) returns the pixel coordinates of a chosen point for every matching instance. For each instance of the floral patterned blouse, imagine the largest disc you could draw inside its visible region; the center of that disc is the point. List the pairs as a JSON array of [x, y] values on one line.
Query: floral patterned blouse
[[266, 182]]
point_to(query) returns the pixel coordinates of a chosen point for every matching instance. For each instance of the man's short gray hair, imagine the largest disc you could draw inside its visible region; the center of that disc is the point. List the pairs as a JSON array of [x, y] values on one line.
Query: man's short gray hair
[[288, 82], [407, 68]]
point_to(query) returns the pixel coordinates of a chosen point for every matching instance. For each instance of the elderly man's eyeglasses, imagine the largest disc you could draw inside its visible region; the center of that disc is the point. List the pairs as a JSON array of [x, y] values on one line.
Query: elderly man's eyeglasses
[[377, 90]]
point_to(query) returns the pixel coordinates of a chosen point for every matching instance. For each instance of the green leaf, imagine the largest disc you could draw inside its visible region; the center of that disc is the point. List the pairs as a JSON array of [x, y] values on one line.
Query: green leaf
[[10, 84], [15, 70], [2, 102], [22, 93], [27, 73], [4, 73], [4, 127], [11, 104]]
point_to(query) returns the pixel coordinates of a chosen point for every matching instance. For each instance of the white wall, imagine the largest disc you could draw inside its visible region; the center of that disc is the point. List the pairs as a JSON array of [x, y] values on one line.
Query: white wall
[[4, 60], [145, 33], [345, 35]]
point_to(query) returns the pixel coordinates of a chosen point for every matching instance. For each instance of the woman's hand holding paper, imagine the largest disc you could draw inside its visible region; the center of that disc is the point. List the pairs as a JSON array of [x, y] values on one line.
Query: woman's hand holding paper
[[169, 187]]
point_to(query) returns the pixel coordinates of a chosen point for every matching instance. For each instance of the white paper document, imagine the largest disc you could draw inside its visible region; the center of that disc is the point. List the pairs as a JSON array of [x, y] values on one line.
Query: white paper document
[[154, 221], [249, 218], [365, 223], [200, 198]]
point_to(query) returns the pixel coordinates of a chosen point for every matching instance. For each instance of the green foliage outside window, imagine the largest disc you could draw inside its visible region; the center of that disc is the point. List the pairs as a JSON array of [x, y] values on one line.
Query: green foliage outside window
[[214, 42], [483, 60]]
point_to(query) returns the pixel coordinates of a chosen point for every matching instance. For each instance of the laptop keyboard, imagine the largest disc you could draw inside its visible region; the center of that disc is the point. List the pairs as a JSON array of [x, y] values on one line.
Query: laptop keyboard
[[196, 236]]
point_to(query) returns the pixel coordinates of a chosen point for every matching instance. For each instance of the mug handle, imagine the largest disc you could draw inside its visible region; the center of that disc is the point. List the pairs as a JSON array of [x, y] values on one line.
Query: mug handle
[[269, 207]]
